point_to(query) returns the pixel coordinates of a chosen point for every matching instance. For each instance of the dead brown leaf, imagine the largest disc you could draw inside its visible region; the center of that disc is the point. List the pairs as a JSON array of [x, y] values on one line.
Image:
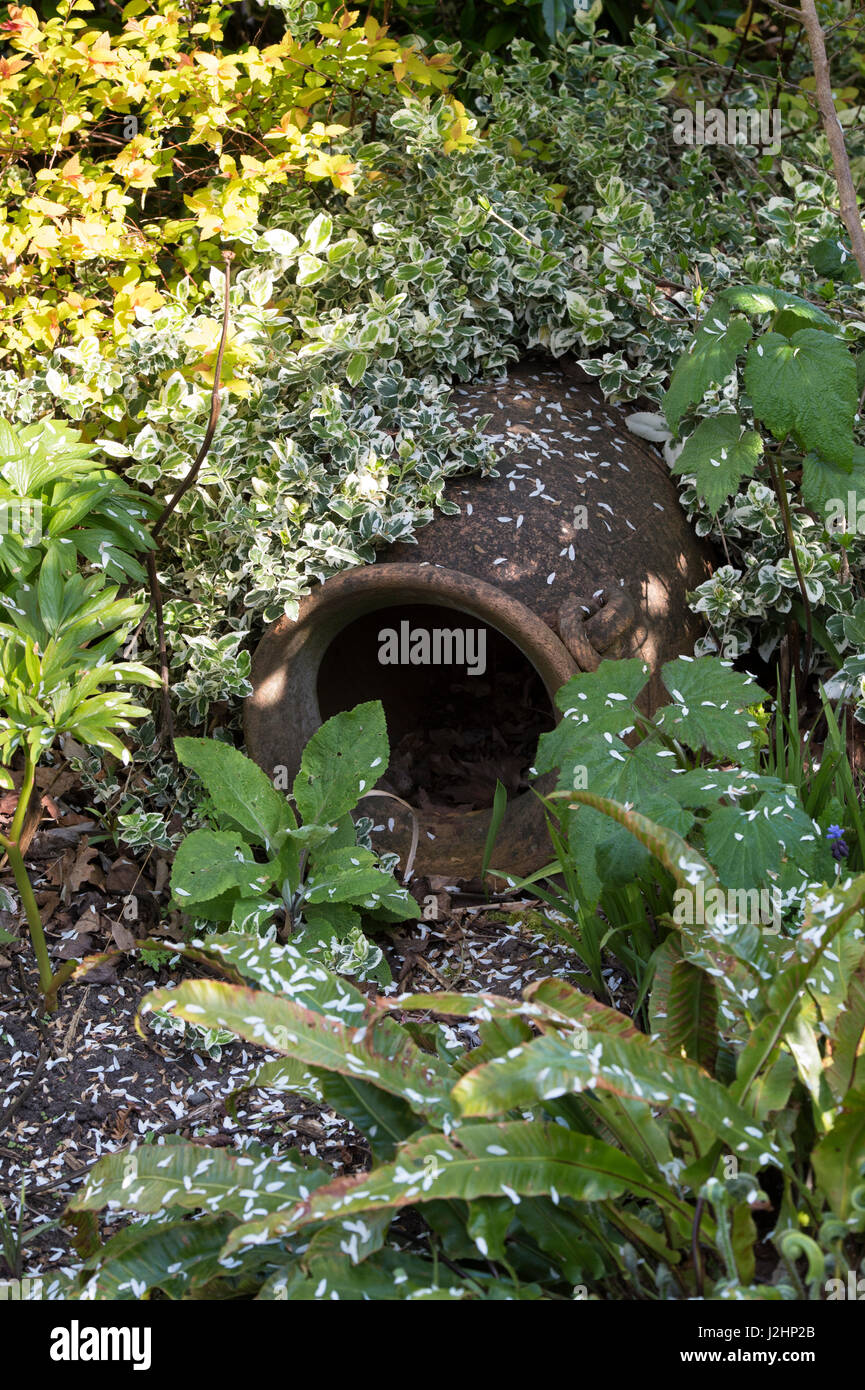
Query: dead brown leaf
[[123, 937]]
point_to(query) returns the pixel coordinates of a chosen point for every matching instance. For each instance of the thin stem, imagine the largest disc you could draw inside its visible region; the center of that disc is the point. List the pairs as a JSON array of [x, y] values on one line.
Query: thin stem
[[11, 844], [834, 131], [781, 493]]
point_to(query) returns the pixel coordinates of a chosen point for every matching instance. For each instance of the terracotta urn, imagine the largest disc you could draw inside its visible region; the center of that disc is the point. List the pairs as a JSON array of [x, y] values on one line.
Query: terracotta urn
[[578, 551]]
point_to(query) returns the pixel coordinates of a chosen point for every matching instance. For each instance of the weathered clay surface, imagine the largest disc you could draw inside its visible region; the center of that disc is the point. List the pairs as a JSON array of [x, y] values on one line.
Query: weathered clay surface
[[522, 532], [568, 586]]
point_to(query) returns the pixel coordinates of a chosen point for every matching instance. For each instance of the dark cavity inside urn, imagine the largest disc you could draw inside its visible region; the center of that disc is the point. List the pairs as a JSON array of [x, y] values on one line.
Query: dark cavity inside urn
[[577, 552]]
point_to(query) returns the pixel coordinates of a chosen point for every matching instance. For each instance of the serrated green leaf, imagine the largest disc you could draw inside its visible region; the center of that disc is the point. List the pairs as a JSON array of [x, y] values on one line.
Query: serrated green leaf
[[710, 707], [239, 789], [825, 489], [720, 453], [746, 847], [212, 862], [711, 359], [342, 760], [805, 386]]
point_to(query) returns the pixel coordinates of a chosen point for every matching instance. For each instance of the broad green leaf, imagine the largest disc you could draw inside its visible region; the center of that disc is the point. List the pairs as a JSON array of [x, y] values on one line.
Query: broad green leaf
[[147, 1178], [710, 360], [720, 453], [373, 1050], [839, 1159], [488, 1160], [805, 386], [594, 704], [570, 1004], [342, 760], [318, 234], [286, 971], [550, 1067], [10, 445], [686, 865], [389, 1275], [384, 1120], [825, 489], [355, 367], [710, 707], [766, 299], [239, 789], [835, 260], [846, 1070], [562, 1238], [212, 862], [286, 1074], [50, 588], [683, 1006], [138, 1259], [746, 847], [350, 876]]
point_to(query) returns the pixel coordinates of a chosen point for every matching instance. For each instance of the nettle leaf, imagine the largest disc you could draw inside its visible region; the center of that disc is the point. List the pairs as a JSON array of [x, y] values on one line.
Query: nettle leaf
[[805, 386], [825, 488], [239, 789], [706, 786], [710, 707], [711, 359], [342, 760], [720, 453], [373, 1050], [212, 862], [487, 1160], [150, 1177]]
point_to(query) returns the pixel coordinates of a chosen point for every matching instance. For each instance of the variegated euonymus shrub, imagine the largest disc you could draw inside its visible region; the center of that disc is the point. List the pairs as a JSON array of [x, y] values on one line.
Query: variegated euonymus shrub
[[69, 533], [575, 224], [568, 1155], [778, 387]]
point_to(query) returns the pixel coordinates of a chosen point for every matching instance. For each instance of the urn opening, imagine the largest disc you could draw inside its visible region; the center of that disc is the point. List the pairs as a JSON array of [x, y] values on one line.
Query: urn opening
[[464, 705]]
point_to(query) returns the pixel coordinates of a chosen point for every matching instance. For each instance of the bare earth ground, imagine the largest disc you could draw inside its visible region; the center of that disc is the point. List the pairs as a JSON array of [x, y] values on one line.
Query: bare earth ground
[[86, 1083]]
